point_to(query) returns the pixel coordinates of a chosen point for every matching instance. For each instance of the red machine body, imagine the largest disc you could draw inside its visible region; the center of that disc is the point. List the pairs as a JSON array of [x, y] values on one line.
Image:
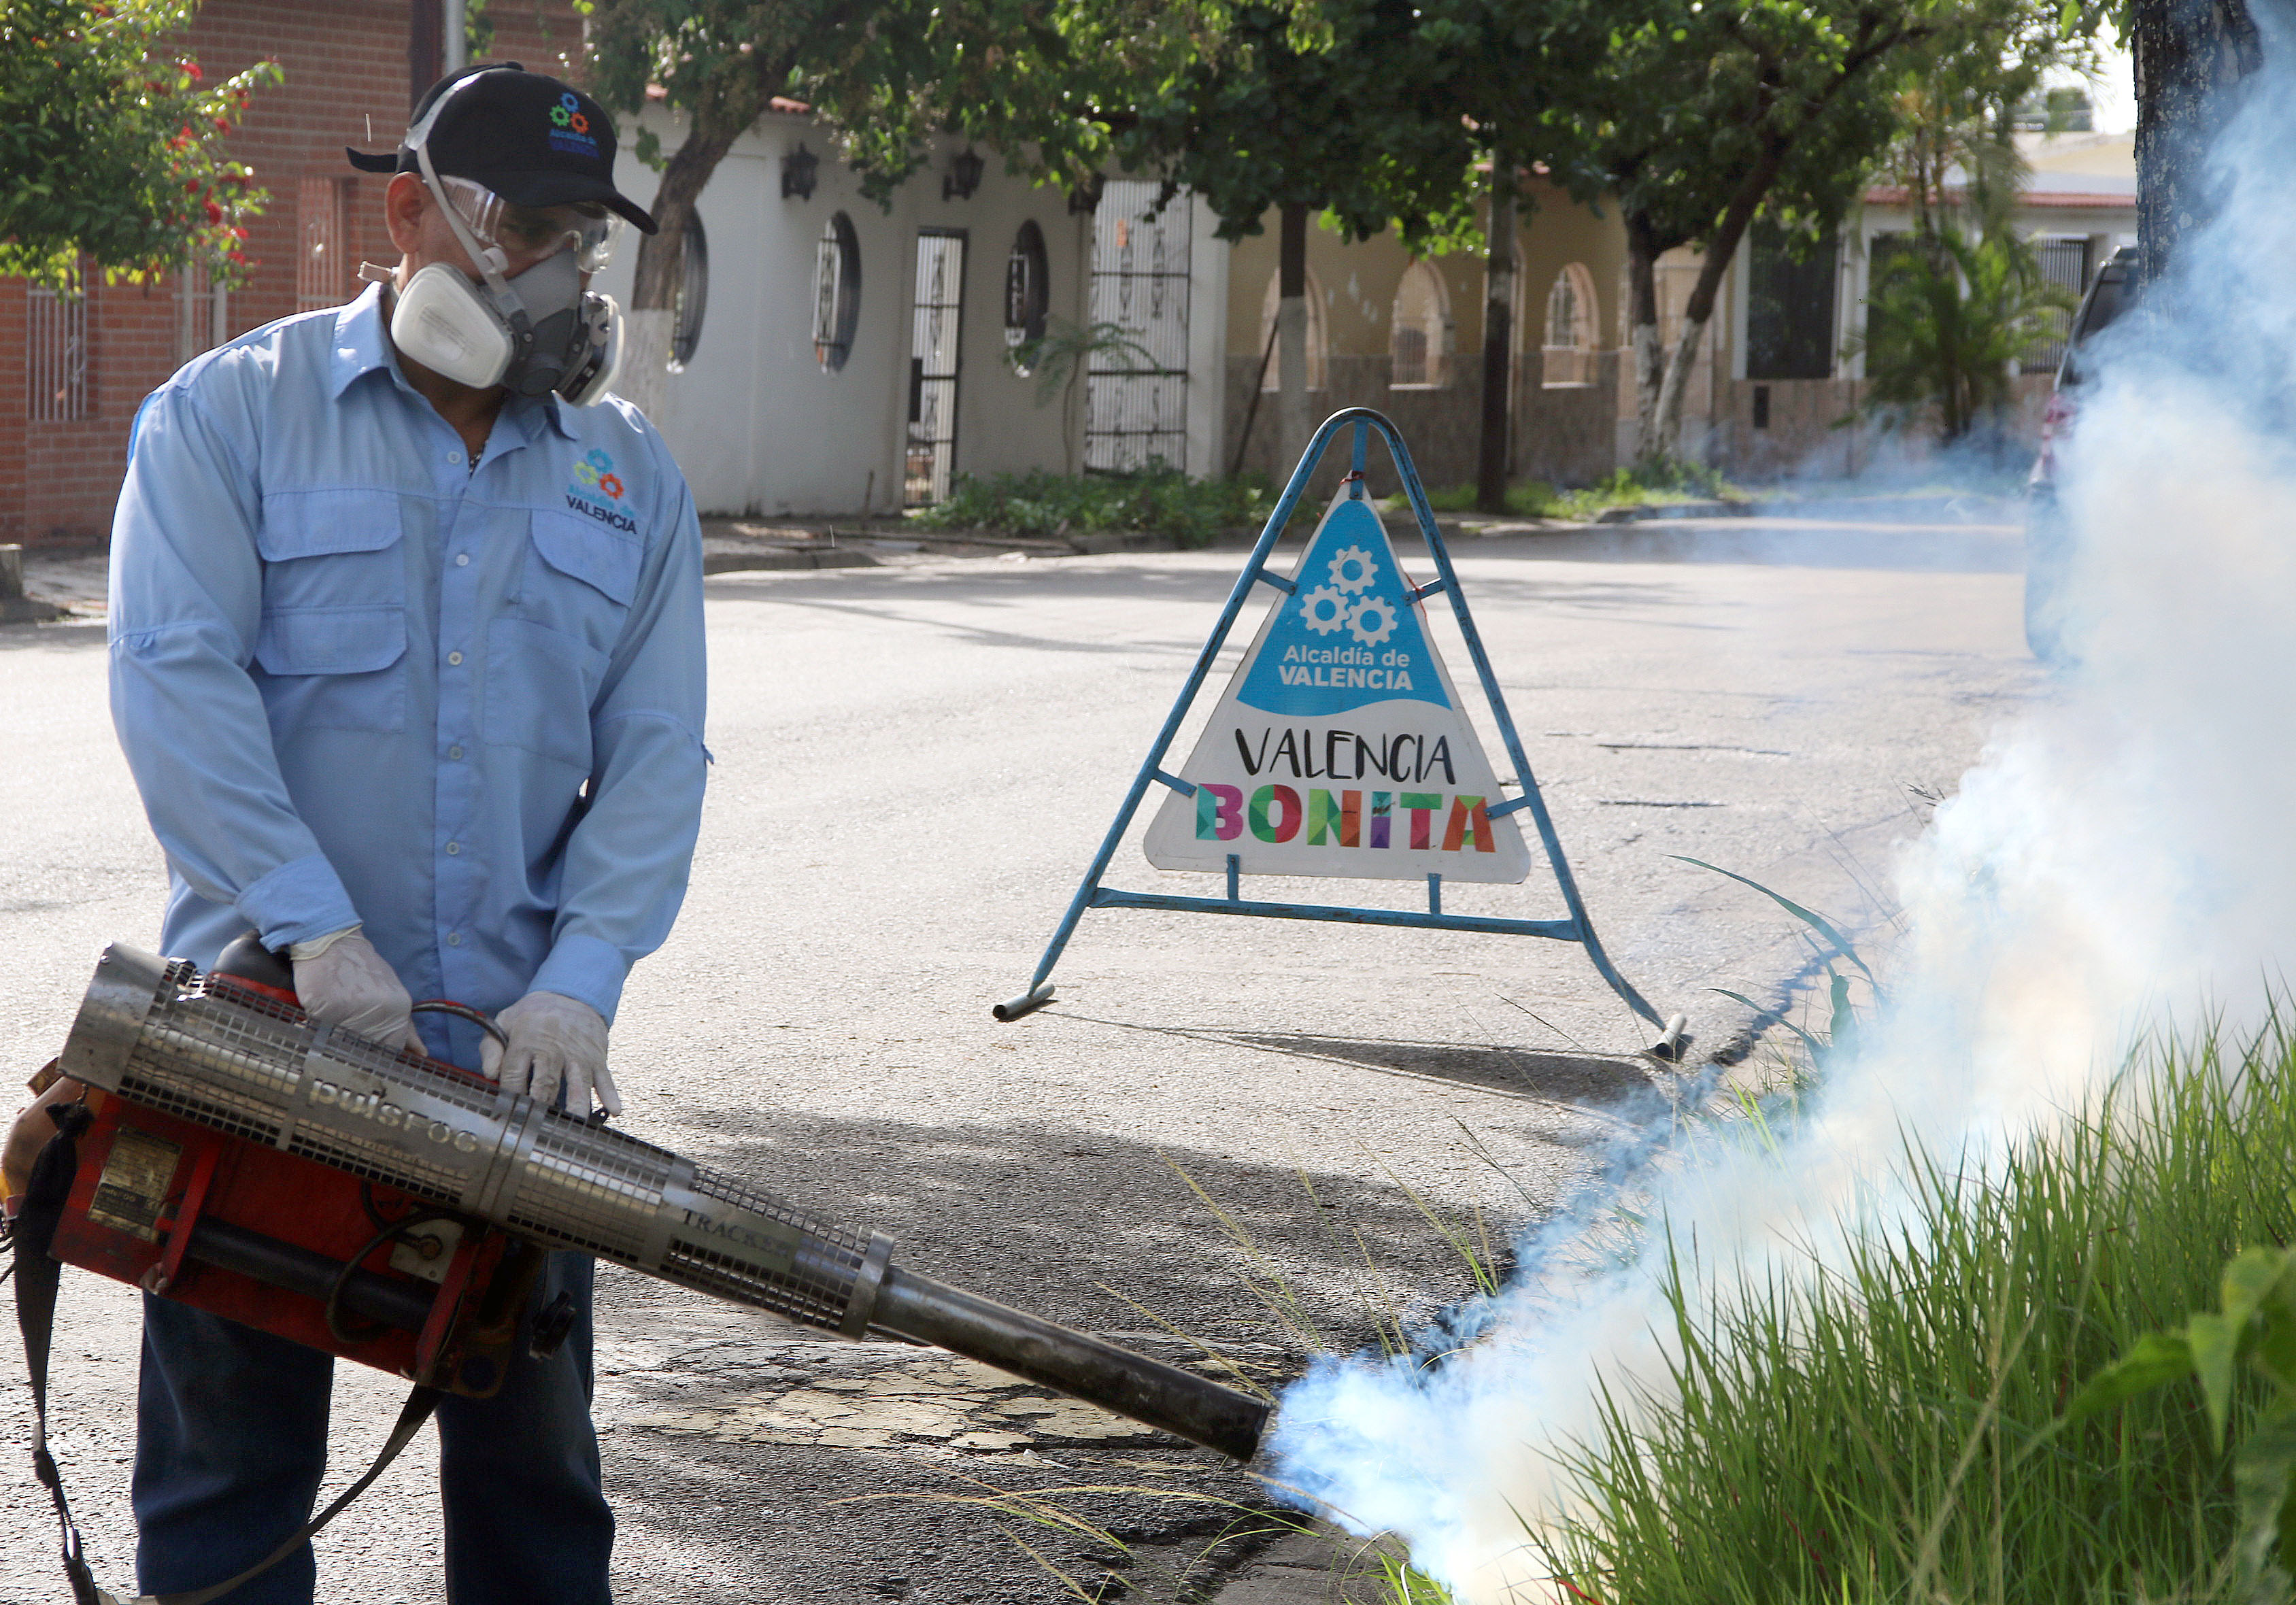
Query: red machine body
[[290, 1247]]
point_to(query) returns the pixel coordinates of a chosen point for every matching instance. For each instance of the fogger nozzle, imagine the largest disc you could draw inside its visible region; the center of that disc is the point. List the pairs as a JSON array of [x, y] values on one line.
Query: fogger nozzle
[[155, 1033]]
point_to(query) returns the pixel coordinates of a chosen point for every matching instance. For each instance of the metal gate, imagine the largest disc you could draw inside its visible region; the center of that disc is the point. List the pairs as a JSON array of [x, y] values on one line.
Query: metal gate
[[2063, 263], [931, 456], [1137, 397]]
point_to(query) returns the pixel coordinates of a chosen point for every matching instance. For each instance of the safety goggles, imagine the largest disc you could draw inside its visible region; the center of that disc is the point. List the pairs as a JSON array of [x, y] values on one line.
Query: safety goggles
[[536, 232]]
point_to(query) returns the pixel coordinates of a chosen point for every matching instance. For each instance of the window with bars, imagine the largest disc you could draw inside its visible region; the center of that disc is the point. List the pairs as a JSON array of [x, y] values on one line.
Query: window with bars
[[1567, 347], [1136, 395], [2064, 263], [1419, 335], [836, 293], [1790, 301], [55, 356], [692, 298], [203, 314], [322, 278], [930, 463]]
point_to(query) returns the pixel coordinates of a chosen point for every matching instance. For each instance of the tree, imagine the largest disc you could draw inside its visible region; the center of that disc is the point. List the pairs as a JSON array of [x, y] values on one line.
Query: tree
[[2190, 58], [112, 141], [1339, 108], [886, 74], [1702, 117], [1787, 111]]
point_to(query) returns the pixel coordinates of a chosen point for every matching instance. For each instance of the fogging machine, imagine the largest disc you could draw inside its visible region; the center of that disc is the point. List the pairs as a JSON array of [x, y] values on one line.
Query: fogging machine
[[393, 1209]]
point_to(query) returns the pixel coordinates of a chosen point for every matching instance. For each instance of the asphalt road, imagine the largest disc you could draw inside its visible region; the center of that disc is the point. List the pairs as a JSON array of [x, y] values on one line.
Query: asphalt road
[[914, 764]]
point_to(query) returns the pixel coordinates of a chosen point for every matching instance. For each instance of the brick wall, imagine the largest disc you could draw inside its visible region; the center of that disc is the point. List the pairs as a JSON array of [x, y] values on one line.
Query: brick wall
[[346, 72]]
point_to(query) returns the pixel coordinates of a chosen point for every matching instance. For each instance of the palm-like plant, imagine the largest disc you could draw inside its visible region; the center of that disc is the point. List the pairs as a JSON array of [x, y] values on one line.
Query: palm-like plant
[[1061, 356], [1946, 322]]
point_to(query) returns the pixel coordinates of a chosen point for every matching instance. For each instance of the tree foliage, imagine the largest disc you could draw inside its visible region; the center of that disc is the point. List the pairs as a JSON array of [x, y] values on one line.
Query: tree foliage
[[1706, 114], [1949, 316], [112, 141]]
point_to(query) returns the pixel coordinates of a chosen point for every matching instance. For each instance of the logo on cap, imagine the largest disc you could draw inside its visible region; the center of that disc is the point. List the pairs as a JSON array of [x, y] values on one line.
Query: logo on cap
[[569, 129]]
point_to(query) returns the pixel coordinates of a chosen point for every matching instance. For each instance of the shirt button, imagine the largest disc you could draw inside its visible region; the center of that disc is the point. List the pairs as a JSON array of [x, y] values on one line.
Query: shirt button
[[453, 938], [455, 659], [455, 753], [454, 848], [455, 458], [461, 560]]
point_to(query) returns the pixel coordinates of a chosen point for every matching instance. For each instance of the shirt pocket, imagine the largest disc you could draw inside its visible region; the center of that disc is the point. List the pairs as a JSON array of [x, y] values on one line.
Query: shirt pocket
[[332, 549], [331, 642], [540, 685], [584, 582], [339, 668]]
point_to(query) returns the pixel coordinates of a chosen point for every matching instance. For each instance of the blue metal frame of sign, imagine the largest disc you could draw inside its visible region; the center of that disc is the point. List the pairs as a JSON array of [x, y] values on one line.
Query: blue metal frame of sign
[[1091, 893]]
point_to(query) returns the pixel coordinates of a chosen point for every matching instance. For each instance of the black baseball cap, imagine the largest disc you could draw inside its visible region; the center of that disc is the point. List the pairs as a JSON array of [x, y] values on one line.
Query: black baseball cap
[[529, 138]]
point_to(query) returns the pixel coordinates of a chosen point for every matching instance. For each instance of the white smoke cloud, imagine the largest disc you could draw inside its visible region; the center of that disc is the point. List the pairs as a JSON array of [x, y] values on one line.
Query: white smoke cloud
[[2122, 858]]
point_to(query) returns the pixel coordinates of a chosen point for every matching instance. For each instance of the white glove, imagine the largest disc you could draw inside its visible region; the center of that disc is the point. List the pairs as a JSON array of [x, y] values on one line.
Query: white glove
[[553, 1038], [342, 980]]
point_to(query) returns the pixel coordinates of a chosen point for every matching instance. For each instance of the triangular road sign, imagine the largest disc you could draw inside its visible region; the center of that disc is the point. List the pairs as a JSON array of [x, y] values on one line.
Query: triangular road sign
[[1340, 747]]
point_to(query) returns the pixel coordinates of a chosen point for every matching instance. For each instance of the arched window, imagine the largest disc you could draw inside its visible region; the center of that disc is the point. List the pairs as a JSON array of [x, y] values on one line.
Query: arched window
[[1271, 380], [1420, 337], [1568, 347], [836, 293], [1028, 293], [693, 294]]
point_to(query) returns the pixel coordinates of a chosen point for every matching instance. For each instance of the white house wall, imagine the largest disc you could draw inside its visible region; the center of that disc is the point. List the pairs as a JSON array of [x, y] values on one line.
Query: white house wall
[[755, 422]]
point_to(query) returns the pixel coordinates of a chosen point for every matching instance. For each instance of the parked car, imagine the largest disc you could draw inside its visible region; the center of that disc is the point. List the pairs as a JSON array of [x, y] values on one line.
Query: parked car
[[2047, 541]]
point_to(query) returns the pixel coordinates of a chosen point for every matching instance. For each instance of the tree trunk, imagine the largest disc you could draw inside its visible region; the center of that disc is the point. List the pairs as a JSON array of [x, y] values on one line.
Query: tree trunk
[[1699, 310], [1292, 423], [1643, 253], [719, 117], [1498, 340], [1676, 389], [2189, 55]]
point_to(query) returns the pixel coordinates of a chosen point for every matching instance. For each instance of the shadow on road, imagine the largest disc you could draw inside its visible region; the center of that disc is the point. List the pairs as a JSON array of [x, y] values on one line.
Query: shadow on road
[[1099, 1233]]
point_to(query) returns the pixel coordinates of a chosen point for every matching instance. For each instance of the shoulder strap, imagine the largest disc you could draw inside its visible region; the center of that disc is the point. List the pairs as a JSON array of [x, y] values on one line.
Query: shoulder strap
[[37, 1276]]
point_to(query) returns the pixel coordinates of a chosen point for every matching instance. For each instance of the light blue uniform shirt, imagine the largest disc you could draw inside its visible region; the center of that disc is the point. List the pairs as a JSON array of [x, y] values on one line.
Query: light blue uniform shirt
[[358, 681]]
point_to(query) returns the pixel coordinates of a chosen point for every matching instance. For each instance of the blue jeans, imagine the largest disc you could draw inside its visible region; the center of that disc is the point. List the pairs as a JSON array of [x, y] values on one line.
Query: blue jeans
[[232, 1441]]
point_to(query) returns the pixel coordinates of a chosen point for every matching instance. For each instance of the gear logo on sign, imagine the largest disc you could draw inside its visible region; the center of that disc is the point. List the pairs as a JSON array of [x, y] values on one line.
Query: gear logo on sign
[[1325, 610], [1361, 625], [1352, 569], [1370, 619]]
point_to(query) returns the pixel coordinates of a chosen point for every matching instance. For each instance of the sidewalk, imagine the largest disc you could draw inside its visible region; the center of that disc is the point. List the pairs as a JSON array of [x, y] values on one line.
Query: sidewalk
[[72, 580]]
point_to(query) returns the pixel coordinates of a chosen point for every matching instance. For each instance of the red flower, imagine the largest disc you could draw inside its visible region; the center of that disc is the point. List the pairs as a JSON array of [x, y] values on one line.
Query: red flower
[[214, 213], [223, 125]]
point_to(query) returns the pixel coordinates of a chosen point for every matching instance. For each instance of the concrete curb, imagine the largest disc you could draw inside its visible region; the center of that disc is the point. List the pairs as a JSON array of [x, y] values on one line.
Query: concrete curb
[[15, 607], [1669, 510]]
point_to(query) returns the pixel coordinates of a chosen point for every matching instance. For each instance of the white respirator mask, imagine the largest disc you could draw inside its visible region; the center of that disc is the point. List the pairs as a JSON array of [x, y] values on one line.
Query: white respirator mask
[[534, 333]]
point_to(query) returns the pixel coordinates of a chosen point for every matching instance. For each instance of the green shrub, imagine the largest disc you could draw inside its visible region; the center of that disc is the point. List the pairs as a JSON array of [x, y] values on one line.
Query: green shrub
[[1645, 484], [1530, 499], [1888, 1432], [1161, 501]]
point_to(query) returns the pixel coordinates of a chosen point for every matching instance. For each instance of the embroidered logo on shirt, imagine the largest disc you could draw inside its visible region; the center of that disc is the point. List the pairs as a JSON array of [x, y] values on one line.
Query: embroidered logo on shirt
[[596, 490]]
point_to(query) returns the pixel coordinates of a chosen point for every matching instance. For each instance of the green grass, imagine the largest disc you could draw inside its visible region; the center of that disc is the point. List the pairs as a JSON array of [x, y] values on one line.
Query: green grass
[[1159, 501], [1628, 487], [1884, 1434]]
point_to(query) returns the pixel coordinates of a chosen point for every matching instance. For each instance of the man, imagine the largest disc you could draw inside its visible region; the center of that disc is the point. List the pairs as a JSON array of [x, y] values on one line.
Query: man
[[407, 662]]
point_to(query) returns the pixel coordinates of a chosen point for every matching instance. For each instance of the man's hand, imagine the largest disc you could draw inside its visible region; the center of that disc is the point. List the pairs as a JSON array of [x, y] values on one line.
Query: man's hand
[[342, 980], [30, 1133], [553, 1038]]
